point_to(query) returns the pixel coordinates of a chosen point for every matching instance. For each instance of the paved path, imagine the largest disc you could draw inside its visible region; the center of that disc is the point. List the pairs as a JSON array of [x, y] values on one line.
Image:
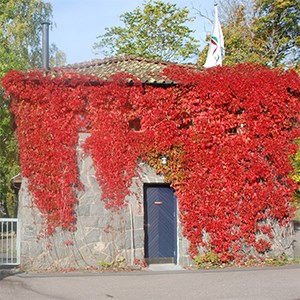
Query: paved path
[[245, 283]]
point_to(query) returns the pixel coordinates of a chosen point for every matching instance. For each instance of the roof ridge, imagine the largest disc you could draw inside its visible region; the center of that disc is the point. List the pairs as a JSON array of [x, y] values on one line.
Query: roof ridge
[[115, 59], [149, 71]]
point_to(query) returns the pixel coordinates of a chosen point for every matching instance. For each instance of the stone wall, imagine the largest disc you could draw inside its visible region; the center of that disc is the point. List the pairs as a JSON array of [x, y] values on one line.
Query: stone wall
[[101, 235], [296, 244]]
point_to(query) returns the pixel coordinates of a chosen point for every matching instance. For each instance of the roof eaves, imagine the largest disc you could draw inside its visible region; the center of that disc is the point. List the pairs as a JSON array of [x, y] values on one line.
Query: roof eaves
[[147, 70]]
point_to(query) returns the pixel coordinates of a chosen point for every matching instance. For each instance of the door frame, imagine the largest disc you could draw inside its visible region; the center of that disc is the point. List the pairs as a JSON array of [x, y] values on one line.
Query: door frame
[[176, 237]]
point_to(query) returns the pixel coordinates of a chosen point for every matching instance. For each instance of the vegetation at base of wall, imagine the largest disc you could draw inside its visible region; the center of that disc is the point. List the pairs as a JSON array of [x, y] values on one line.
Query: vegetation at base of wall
[[117, 264], [211, 260], [208, 260], [228, 134]]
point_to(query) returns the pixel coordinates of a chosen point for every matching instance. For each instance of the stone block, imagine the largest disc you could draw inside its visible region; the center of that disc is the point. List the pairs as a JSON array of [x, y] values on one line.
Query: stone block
[[29, 233], [296, 237], [92, 183], [92, 236], [97, 209], [139, 253], [86, 164], [83, 210], [86, 251], [88, 197], [87, 221], [185, 261], [183, 246], [139, 222], [62, 251], [24, 249], [139, 238], [99, 247], [105, 222], [129, 240]]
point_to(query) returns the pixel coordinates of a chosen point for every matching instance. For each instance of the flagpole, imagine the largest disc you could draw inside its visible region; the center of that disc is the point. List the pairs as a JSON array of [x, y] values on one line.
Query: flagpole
[[216, 51]]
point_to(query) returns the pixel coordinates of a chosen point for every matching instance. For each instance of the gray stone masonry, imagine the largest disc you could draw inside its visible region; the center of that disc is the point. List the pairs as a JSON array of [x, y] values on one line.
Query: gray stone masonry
[[296, 238], [101, 235]]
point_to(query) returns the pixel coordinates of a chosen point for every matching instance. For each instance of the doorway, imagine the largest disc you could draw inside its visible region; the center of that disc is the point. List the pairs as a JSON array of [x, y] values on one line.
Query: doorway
[[160, 223]]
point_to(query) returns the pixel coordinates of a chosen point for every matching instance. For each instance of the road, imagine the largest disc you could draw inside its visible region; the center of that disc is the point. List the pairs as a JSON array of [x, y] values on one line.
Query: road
[[236, 283]]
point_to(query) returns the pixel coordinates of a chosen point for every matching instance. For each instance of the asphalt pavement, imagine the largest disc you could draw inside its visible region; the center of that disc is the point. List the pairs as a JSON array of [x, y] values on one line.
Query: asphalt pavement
[[259, 283]]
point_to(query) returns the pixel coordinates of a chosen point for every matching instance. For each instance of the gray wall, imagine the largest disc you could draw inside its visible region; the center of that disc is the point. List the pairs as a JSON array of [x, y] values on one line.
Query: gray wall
[[296, 243], [101, 235]]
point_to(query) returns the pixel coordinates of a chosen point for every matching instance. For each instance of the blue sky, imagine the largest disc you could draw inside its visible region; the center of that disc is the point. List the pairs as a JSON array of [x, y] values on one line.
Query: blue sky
[[79, 22]]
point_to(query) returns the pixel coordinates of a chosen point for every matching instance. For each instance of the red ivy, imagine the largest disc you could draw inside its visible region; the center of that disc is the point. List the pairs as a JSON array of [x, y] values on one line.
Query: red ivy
[[47, 113], [227, 133]]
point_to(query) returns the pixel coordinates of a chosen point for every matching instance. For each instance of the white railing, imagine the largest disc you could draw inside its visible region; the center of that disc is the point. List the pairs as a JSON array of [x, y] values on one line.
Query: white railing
[[9, 242]]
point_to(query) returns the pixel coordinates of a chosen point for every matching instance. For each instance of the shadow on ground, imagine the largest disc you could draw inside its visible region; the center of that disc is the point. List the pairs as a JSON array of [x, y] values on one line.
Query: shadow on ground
[[6, 271]]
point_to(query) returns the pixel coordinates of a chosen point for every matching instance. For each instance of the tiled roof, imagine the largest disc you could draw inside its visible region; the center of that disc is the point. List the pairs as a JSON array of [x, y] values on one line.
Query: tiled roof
[[147, 70]]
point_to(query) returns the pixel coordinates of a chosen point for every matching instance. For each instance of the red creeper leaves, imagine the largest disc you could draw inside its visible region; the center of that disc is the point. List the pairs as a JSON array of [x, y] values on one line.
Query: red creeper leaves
[[227, 134]]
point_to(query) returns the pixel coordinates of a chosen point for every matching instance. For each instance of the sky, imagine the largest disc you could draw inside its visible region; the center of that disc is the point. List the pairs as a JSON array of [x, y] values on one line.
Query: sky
[[79, 22]]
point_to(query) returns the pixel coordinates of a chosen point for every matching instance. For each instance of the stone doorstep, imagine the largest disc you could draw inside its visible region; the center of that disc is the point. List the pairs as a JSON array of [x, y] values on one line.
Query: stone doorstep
[[165, 267]]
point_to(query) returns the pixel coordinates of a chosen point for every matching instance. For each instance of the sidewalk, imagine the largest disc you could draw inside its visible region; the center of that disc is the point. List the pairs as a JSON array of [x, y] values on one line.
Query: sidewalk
[[231, 283]]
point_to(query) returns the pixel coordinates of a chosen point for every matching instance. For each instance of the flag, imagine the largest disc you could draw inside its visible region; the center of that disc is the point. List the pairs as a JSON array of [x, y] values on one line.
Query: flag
[[216, 50]]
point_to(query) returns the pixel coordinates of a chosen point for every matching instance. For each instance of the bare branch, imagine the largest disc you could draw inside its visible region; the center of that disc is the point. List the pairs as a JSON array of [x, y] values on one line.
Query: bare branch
[[201, 14]]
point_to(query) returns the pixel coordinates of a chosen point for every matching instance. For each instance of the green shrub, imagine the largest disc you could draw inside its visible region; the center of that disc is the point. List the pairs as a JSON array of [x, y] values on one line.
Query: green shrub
[[208, 260]]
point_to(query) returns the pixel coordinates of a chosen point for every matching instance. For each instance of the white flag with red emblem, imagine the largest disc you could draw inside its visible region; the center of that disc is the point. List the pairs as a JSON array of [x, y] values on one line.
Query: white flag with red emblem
[[216, 50]]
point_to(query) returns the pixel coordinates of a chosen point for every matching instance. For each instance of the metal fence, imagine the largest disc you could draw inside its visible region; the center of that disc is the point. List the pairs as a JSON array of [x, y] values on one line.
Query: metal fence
[[9, 242]]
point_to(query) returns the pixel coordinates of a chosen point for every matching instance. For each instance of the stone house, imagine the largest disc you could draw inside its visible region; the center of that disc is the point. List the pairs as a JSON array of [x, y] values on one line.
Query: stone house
[[147, 229]]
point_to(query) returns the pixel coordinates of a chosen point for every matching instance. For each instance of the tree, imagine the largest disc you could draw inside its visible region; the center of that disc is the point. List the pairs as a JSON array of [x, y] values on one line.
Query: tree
[[57, 57], [158, 30], [20, 27], [235, 18], [263, 31], [9, 166], [277, 28], [296, 177], [239, 33]]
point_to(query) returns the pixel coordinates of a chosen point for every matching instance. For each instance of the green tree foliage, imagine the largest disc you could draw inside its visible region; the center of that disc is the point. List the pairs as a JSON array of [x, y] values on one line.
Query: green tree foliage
[[277, 29], [235, 17], [260, 31], [9, 166], [296, 175], [20, 37], [158, 30], [58, 58], [20, 23], [238, 30]]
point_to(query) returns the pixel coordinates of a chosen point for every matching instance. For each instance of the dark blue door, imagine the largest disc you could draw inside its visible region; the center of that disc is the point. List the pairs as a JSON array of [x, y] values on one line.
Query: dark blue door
[[160, 224]]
